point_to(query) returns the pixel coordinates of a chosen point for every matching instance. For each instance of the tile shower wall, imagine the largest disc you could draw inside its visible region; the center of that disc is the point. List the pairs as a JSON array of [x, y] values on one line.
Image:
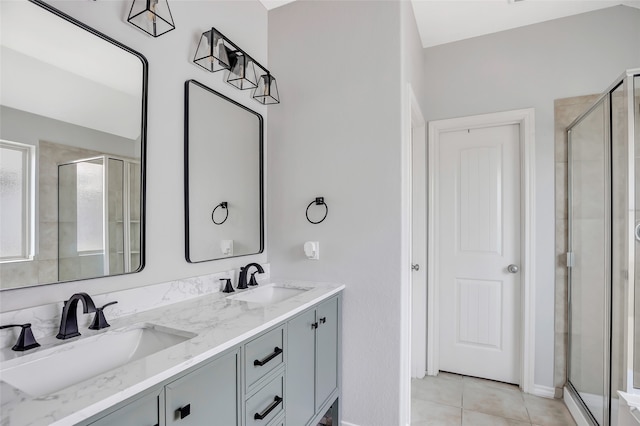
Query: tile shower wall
[[565, 111]]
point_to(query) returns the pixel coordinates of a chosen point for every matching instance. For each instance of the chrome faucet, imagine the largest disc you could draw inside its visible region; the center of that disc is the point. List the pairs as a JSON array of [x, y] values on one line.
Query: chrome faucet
[[69, 321], [242, 279]]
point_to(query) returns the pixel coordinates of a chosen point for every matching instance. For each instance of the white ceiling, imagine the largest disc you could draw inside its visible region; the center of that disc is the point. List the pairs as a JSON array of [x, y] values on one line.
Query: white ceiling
[[445, 21]]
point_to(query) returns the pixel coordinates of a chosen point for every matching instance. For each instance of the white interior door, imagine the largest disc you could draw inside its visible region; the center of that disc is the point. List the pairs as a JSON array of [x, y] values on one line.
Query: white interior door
[[478, 206]]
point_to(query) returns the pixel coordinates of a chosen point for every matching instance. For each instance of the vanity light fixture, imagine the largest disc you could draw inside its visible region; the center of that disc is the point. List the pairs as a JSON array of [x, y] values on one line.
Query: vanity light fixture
[[151, 16], [267, 91], [212, 54], [215, 52], [243, 72]]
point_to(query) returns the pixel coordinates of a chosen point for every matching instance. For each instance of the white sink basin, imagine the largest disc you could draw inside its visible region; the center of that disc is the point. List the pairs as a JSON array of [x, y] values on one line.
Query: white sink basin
[[57, 368], [267, 294]]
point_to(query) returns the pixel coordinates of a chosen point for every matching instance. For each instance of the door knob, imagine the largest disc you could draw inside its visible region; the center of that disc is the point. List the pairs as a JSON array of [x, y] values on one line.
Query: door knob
[[513, 268], [415, 267]]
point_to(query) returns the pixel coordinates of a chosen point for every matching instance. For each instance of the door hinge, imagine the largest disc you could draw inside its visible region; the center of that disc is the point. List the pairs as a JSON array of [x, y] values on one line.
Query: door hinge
[[570, 260]]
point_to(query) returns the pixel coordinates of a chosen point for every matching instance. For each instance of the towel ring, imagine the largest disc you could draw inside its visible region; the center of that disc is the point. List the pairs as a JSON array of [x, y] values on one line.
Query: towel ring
[[221, 205], [319, 201]]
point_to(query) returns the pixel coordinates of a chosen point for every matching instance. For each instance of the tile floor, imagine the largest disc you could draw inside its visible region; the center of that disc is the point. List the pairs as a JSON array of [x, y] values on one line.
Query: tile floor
[[451, 399]]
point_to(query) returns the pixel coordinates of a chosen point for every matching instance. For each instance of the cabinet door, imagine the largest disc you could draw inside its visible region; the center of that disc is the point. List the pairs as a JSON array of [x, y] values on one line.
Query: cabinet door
[[300, 369], [326, 350], [145, 411], [207, 396]]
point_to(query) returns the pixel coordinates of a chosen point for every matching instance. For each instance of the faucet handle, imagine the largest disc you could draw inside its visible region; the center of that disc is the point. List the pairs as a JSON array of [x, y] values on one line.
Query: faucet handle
[[99, 320], [26, 340], [228, 288], [252, 280]]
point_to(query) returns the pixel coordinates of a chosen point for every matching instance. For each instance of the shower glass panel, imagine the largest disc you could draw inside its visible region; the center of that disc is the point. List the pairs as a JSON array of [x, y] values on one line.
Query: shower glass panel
[[81, 236], [589, 241], [604, 243], [99, 218], [636, 134], [619, 242]]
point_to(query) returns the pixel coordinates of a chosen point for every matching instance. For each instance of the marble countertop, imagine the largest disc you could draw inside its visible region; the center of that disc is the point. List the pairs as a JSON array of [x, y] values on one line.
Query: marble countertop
[[219, 324]]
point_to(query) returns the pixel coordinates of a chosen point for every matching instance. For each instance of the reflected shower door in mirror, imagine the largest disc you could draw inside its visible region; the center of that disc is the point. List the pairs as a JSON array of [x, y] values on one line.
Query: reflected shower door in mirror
[[223, 176], [98, 217], [72, 144]]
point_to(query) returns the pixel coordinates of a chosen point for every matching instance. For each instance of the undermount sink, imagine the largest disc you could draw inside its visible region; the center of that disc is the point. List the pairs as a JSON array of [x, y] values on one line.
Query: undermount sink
[[59, 367], [268, 294]]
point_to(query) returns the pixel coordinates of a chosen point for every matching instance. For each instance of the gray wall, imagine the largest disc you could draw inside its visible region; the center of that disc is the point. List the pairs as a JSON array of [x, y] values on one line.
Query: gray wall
[[170, 64], [338, 135], [530, 67]]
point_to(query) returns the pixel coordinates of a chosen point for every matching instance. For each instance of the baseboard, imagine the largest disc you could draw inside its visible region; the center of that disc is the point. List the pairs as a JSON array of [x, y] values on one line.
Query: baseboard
[[574, 409], [348, 424], [543, 391]]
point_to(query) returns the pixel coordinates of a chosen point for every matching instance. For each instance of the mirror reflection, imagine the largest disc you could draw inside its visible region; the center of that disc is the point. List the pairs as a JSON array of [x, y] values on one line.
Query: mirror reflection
[[223, 163], [71, 150]]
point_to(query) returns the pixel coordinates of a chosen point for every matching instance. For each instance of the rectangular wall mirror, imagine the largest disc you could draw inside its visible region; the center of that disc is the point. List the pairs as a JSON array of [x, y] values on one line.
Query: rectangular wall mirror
[[223, 176], [72, 150]]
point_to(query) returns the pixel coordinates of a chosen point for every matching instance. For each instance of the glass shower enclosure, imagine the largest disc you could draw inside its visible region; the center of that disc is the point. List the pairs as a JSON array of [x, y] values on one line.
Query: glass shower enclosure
[[604, 233], [98, 217]]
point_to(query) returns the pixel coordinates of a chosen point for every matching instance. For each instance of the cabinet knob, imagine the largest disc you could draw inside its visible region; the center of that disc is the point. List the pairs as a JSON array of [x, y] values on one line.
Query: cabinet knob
[[183, 412], [323, 320], [314, 325]]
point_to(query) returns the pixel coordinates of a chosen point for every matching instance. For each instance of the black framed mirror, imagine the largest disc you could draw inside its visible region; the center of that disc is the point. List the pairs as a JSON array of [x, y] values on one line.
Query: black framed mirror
[[72, 162], [223, 152]]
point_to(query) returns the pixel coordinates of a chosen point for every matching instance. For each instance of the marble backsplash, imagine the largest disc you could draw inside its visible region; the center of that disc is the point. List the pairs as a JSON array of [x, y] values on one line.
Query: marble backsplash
[[45, 319]]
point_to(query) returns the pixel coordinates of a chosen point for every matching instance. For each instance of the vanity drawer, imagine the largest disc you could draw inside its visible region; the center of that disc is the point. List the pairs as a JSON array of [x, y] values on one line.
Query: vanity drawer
[[266, 404], [263, 355]]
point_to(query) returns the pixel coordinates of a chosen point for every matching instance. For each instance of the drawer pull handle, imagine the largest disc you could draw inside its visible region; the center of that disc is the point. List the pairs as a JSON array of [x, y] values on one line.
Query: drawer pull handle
[[183, 412], [276, 351], [276, 401]]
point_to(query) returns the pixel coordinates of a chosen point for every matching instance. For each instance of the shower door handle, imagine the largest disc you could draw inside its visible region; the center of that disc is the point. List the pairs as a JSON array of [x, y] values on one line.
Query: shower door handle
[[513, 268]]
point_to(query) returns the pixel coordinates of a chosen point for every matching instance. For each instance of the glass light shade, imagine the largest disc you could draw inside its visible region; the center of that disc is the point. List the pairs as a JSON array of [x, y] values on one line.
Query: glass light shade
[[151, 16], [267, 91], [242, 73], [211, 53]]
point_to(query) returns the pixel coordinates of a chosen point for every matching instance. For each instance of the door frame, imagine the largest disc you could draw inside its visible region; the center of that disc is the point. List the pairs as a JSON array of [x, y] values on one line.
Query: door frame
[[525, 119], [418, 279]]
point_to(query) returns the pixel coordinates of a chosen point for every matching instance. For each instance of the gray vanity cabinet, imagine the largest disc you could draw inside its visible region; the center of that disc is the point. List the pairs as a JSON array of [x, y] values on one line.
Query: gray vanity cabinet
[[287, 375], [207, 396], [312, 362], [144, 411]]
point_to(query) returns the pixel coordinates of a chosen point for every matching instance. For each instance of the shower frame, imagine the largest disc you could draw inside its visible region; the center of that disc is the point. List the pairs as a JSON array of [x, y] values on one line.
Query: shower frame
[[628, 82]]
